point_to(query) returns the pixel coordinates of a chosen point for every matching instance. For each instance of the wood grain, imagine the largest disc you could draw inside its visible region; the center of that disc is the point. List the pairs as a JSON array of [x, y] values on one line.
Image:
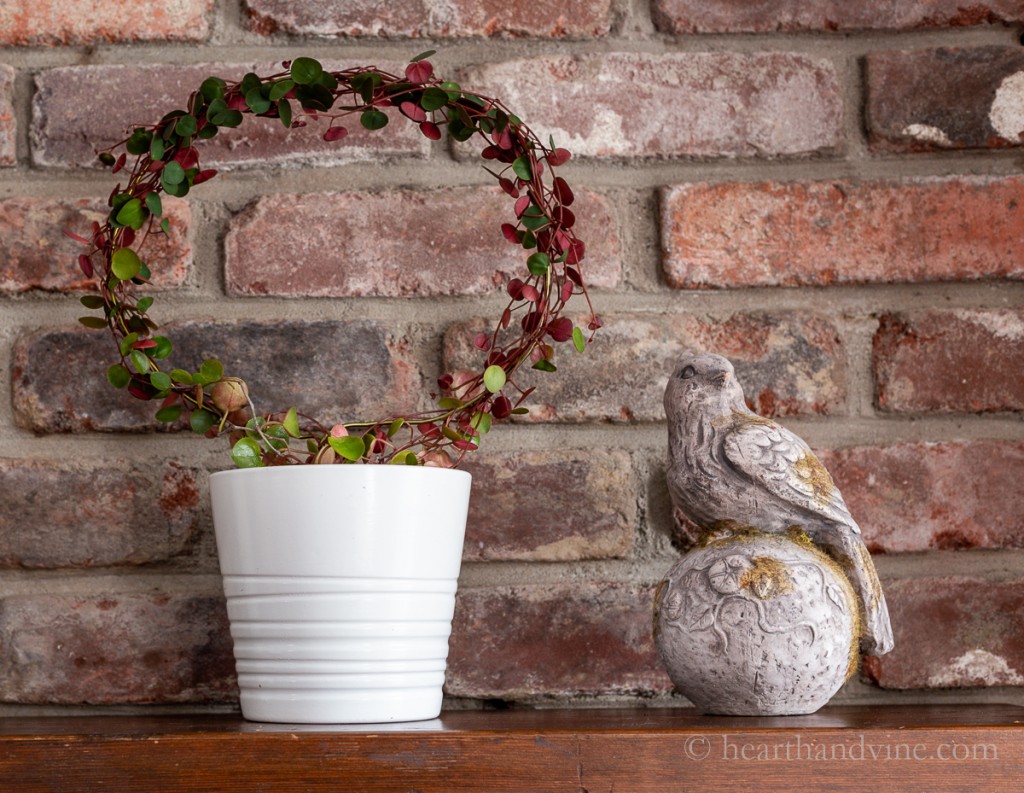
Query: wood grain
[[891, 749]]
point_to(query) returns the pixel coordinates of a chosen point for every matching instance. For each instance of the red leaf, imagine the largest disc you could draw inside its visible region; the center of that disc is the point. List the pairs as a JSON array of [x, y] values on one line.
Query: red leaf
[[501, 407], [515, 289], [491, 153], [143, 344], [510, 233], [564, 217], [75, 237], [204, 176], [562, 191], [522, 204], [468, 446], [430, 130], [155, 166], [575, 255], [187, 158], [127, 237], [419, 72], [86, 264], [595, 323], [530, 293], [531, 321], [506, 318], [413, 111], [482, 341], [120, 163], [237, 102], [574, 275], [139, 392], [560, 329], [503, 139], [567, 290], [508, 186], [558, 157], [444, 382], [335, 133]]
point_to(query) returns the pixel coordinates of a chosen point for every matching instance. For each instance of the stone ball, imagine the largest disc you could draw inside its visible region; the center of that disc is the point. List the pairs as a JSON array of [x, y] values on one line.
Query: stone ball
[[757, 624]]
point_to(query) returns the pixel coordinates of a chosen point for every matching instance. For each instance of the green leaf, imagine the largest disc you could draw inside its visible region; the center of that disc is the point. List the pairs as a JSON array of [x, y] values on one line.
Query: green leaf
[[433, 99], [138, 143], [284, 110], [306, 71], [280, 88], [157, 149], [186, 126], [212, 88], [482, 423], [92, 301], [125, 264], [365, 84], [140, 361], [169, 413], [538, 263], [578, 341], [172, 174], [373, 119], [246, 453], [143, 276], [494, 378], [127, 342], [533, 218], [163, 347], [211, 370], [291, 423], [396, 425], [132, 214], [454, 90], [459, 130], [423, 56], [154, 203], [227, 118], [119, 376], [257, 102], [96, 323], [208, 131], [521, 167], [350, 447], [314, 97], [165, 226], [202, 420], [249, 81], [405, 458], [544, 365], [143, 305], [182, 376], [161, 381]]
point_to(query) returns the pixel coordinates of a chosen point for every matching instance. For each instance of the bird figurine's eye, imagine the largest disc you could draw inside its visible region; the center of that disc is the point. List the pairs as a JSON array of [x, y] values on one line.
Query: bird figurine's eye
[[687, 373]]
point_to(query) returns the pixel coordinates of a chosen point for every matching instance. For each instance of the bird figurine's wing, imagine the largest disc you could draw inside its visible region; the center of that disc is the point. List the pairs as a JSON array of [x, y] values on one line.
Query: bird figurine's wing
[[783, 464]]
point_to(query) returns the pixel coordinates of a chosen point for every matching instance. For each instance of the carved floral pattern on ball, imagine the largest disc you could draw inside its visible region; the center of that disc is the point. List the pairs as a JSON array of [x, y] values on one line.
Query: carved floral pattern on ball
[[757, 624]]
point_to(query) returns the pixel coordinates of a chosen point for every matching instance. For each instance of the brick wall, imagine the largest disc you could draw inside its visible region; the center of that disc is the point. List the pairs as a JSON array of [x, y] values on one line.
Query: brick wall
[[828, 193]]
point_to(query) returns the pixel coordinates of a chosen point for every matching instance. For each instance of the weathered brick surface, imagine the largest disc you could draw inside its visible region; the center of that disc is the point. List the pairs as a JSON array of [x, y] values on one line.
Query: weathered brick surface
[[549, 506], [945, 98], [53, 22], [115, 648], [35, 254], [788, 364], [558, 640], [739, 234], [723, 16], [705, 104], [64, 515], [925, 496], [950, 361], [8, 126], [952, 633], [330, 370], [432, 18], [396, 243], [67, 132]]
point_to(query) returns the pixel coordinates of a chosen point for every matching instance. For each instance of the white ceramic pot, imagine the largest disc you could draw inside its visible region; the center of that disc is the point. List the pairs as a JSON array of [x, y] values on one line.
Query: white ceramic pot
[[340, 583]]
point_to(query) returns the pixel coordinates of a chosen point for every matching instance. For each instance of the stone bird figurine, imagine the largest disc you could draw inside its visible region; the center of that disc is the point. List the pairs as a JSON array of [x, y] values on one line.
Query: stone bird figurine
[[730, 468]]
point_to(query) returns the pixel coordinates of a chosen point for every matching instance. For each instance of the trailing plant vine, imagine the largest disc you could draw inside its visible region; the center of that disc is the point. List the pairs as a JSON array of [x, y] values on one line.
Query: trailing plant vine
[[163, 159]]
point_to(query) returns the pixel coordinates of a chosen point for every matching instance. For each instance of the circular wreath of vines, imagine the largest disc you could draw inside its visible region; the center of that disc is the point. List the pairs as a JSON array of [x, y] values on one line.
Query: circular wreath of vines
[[166, 161]]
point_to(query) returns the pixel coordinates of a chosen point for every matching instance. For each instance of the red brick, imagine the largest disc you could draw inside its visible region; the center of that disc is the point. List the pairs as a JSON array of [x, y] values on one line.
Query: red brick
[[788, 364], [35, 254], [706, 104], [723, 16], [8, 126], [67, 132], [115, 648], [967, 361], [329, 370], [431, 18], [550, 506], [945, 98], [56, 22], [396, 244], [924, 496], [555, 640], [953, 633], [741, 234], [65, 515]]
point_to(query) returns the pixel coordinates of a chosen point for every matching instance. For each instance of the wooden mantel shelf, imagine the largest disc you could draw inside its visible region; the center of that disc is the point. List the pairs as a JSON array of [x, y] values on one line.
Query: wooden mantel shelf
[[891, 749]]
